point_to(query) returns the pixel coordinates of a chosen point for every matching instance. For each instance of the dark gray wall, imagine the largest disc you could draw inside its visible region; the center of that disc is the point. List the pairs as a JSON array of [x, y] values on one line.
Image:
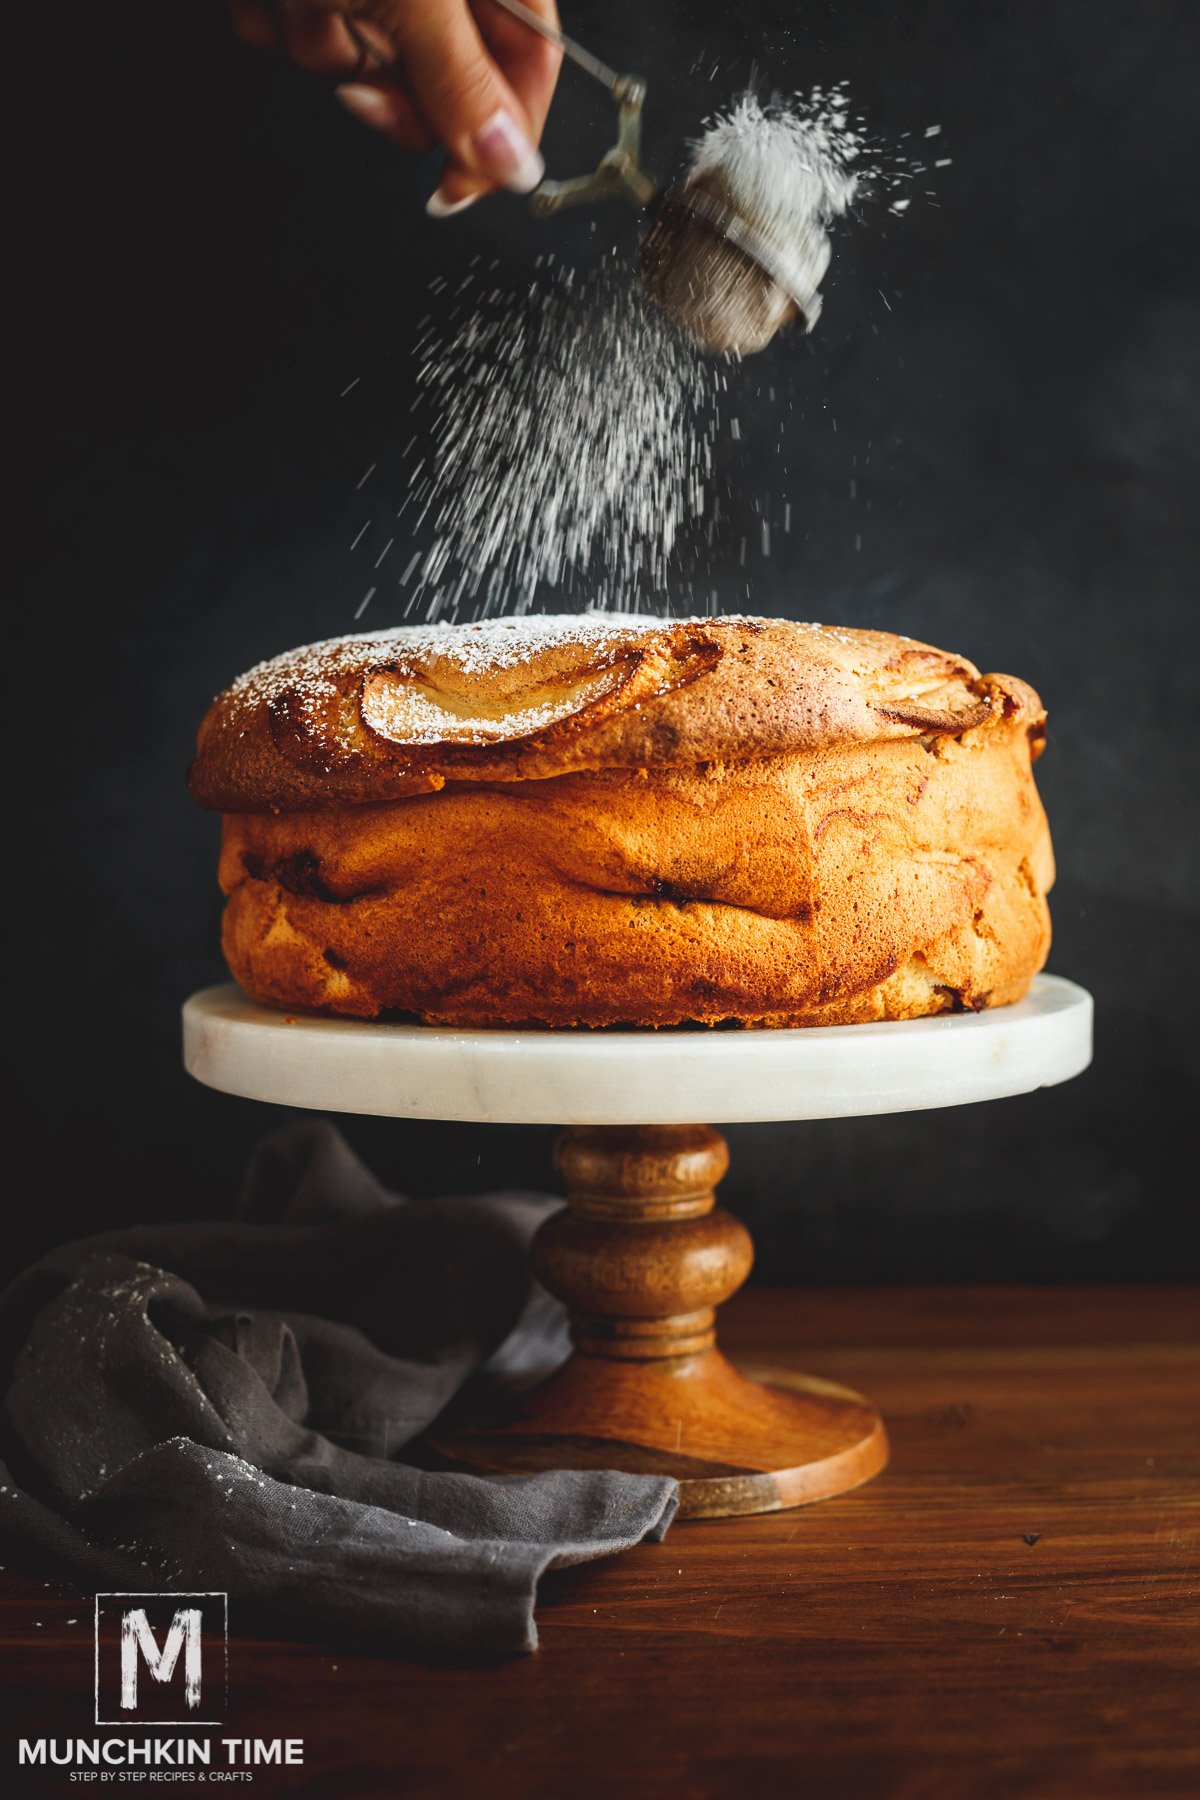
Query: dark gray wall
[[218, 250]]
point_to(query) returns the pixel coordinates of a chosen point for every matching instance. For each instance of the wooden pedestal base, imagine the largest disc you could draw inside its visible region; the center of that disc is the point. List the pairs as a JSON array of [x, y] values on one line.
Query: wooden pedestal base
[[642, 1255]]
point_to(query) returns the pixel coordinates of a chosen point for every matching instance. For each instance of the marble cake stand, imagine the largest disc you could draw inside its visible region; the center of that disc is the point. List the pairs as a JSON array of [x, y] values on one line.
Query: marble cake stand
[[641, 1253]]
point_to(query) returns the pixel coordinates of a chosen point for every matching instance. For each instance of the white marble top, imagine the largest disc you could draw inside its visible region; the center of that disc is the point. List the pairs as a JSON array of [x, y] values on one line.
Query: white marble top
[[636, 1077]]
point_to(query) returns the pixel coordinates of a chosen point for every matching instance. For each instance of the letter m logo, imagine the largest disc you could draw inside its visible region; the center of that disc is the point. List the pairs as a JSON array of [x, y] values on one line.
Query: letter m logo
[[137, 1641], [161, 1659]]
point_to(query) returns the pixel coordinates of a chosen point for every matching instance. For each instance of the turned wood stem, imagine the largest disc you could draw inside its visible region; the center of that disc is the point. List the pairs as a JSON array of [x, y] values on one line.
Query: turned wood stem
[[642, 1256], [641, 1253]]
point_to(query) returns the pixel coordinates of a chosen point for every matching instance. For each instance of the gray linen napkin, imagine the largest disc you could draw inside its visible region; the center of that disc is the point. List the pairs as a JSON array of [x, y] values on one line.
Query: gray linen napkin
[[224, 1405]]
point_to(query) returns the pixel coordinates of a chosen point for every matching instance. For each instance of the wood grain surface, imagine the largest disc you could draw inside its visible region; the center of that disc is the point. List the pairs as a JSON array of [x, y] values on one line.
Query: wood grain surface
[[1010, 1610]]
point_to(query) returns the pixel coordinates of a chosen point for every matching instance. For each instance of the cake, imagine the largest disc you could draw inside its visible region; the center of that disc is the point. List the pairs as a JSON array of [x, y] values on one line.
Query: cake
[[611, 820]]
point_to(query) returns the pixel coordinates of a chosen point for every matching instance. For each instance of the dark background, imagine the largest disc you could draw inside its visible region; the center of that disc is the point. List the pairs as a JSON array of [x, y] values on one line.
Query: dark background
[[218, 250]]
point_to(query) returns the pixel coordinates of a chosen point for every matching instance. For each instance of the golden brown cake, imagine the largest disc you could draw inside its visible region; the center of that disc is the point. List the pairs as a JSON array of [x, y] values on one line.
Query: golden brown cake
[[607, 820]]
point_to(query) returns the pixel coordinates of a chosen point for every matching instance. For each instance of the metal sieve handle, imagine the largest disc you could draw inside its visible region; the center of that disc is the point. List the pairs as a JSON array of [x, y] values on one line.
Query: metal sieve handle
[[620, 171], [600, 71], [584, 58]]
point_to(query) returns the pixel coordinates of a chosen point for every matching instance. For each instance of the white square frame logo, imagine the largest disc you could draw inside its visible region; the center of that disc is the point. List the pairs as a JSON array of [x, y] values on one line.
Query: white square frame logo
[[175, 1599]]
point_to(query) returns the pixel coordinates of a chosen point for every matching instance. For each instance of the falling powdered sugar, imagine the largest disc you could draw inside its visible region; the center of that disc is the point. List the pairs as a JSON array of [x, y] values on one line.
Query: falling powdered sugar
[[565, 449], [572, 443]]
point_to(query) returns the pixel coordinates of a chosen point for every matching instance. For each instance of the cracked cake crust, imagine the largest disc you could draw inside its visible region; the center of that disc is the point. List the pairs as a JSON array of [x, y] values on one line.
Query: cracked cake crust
[[643, 823]]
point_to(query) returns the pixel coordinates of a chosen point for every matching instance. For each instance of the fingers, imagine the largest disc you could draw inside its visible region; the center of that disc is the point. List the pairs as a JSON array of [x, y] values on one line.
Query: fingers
[[458, 87], [319, 41], [474, 78], [387, 109], [529, 63], [317, 35], [454, 193], [254, 23], [325, 42]]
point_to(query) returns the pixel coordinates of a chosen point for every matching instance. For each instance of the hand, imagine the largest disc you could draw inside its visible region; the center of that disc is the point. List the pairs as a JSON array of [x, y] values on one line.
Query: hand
[[462, 73]]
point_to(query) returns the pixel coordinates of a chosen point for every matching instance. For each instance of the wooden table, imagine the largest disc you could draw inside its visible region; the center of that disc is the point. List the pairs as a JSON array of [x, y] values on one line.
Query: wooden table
[[1010, 1610]]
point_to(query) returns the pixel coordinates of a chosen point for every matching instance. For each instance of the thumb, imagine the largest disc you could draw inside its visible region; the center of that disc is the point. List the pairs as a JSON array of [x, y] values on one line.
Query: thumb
[[460, 91]]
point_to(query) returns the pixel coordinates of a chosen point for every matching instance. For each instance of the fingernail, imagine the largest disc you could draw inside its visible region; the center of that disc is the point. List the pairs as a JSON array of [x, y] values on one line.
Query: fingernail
[[366, 104], [505, 152], [439, 207]]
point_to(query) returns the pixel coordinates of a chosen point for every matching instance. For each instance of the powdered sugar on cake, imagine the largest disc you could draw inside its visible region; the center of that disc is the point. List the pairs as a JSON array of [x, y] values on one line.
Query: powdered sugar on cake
[[471, 653], [480, 649], [410, 710]]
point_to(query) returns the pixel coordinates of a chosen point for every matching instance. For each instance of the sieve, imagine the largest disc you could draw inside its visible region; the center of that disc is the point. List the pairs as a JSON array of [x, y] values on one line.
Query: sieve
[[727, 280]]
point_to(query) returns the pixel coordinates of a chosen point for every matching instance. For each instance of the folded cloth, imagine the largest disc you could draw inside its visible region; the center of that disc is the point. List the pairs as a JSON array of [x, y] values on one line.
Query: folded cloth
[[225, 1405]]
